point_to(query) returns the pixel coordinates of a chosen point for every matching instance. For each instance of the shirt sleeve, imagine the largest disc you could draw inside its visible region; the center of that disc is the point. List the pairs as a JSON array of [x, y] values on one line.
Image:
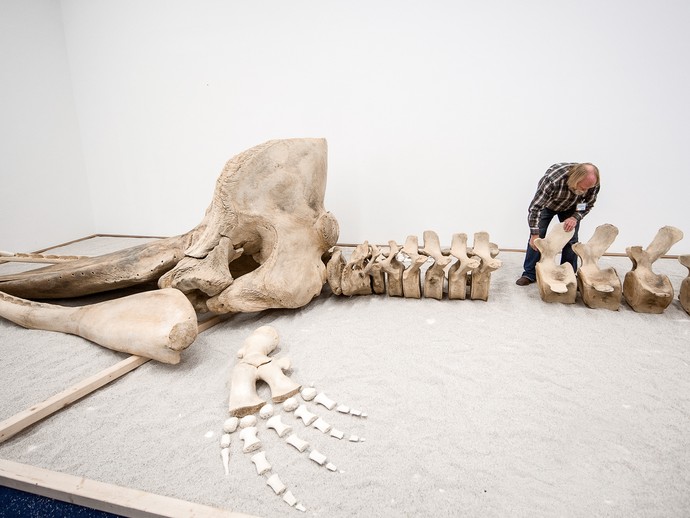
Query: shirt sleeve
[[544, 189]]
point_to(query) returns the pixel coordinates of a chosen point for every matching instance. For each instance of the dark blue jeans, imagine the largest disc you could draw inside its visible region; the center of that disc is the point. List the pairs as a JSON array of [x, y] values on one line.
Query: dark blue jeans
[[567, 255]]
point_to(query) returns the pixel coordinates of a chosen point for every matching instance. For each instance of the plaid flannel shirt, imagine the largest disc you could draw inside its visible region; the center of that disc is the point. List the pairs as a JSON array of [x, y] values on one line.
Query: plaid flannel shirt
[[553, 193]]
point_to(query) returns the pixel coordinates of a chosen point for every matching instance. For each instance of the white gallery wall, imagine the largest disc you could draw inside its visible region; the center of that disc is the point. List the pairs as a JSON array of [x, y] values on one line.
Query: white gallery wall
[[439, 115], [44, 193]]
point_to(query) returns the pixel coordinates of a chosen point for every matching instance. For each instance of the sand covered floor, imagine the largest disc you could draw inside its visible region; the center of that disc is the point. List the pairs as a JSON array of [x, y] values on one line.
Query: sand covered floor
[[511, 407]]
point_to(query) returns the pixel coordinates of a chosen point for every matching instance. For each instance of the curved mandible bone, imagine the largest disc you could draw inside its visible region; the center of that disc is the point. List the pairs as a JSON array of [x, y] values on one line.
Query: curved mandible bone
[[129, 267], [154, 324]]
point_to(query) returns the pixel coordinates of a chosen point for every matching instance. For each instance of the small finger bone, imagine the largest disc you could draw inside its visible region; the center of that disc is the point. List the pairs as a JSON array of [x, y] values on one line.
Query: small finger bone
[[337, 434], [322, 425], [225, 440], [323, 399], [317, 457], [248, 421], [289, 498], [275, 423], [290, 404], [305, 415], [343, 409], [355, 438], [308, 393], [251, 441], [230, 425], [266, 411], [298, 443], [225, 455], [262, 465], [331, 466], [357, 413], [276, 484]]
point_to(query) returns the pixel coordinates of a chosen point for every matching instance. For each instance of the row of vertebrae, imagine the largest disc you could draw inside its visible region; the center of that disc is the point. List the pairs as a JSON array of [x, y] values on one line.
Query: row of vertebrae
[[397, 270]]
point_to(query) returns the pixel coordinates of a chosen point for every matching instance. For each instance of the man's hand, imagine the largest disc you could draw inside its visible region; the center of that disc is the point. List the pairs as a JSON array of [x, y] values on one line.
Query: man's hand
[[531, 242], [569, 224]]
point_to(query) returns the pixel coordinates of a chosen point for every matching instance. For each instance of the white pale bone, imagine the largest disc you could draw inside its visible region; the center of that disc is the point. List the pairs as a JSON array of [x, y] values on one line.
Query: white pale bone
[[301, 508], [684, 294], [557, 283], [459, 272], [394, 269], [644, 290], [276, 484], [378, 276], [412, 283], [324, 400], [250, 440], [297, 443], [247, 421], [276, 424], [254, 364], [260, 462], [249, 251], [290, 404], [355, 279], [356, 413], [322, 425], [308, 393], [305, 415], [225, 440], [337, 433], [154, 324], [435, 274], [225, 455], [599, 288], [289, 498], [231, 424], [331, 467], [266, 411], [343, 409], [317, 457], [354, 438], [486, 251]]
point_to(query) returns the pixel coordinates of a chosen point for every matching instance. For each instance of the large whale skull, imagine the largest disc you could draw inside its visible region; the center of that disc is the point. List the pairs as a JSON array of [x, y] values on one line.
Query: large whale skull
[[259, 246]]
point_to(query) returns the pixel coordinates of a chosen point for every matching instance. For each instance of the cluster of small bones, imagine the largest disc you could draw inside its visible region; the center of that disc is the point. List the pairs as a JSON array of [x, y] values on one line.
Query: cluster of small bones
[[254, 364]]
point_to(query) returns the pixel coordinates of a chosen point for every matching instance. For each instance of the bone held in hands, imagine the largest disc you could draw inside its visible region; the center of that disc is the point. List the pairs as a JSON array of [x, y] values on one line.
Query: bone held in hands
[[154, 324]]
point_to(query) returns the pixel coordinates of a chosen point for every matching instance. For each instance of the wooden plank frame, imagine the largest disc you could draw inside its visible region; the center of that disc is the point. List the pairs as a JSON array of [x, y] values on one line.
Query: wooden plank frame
[[90, 493], [101, 496]]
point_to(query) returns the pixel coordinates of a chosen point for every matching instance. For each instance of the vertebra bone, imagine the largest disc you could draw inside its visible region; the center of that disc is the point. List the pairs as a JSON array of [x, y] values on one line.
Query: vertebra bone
[[276, 484]]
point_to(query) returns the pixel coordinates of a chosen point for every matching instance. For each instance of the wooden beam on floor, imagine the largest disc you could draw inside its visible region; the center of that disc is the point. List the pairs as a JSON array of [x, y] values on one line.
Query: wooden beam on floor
[[18, 422], [102, 496]]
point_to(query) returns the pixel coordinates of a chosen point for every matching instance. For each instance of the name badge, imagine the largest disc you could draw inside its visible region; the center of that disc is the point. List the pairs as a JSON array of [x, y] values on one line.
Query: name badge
[[580, 207]]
